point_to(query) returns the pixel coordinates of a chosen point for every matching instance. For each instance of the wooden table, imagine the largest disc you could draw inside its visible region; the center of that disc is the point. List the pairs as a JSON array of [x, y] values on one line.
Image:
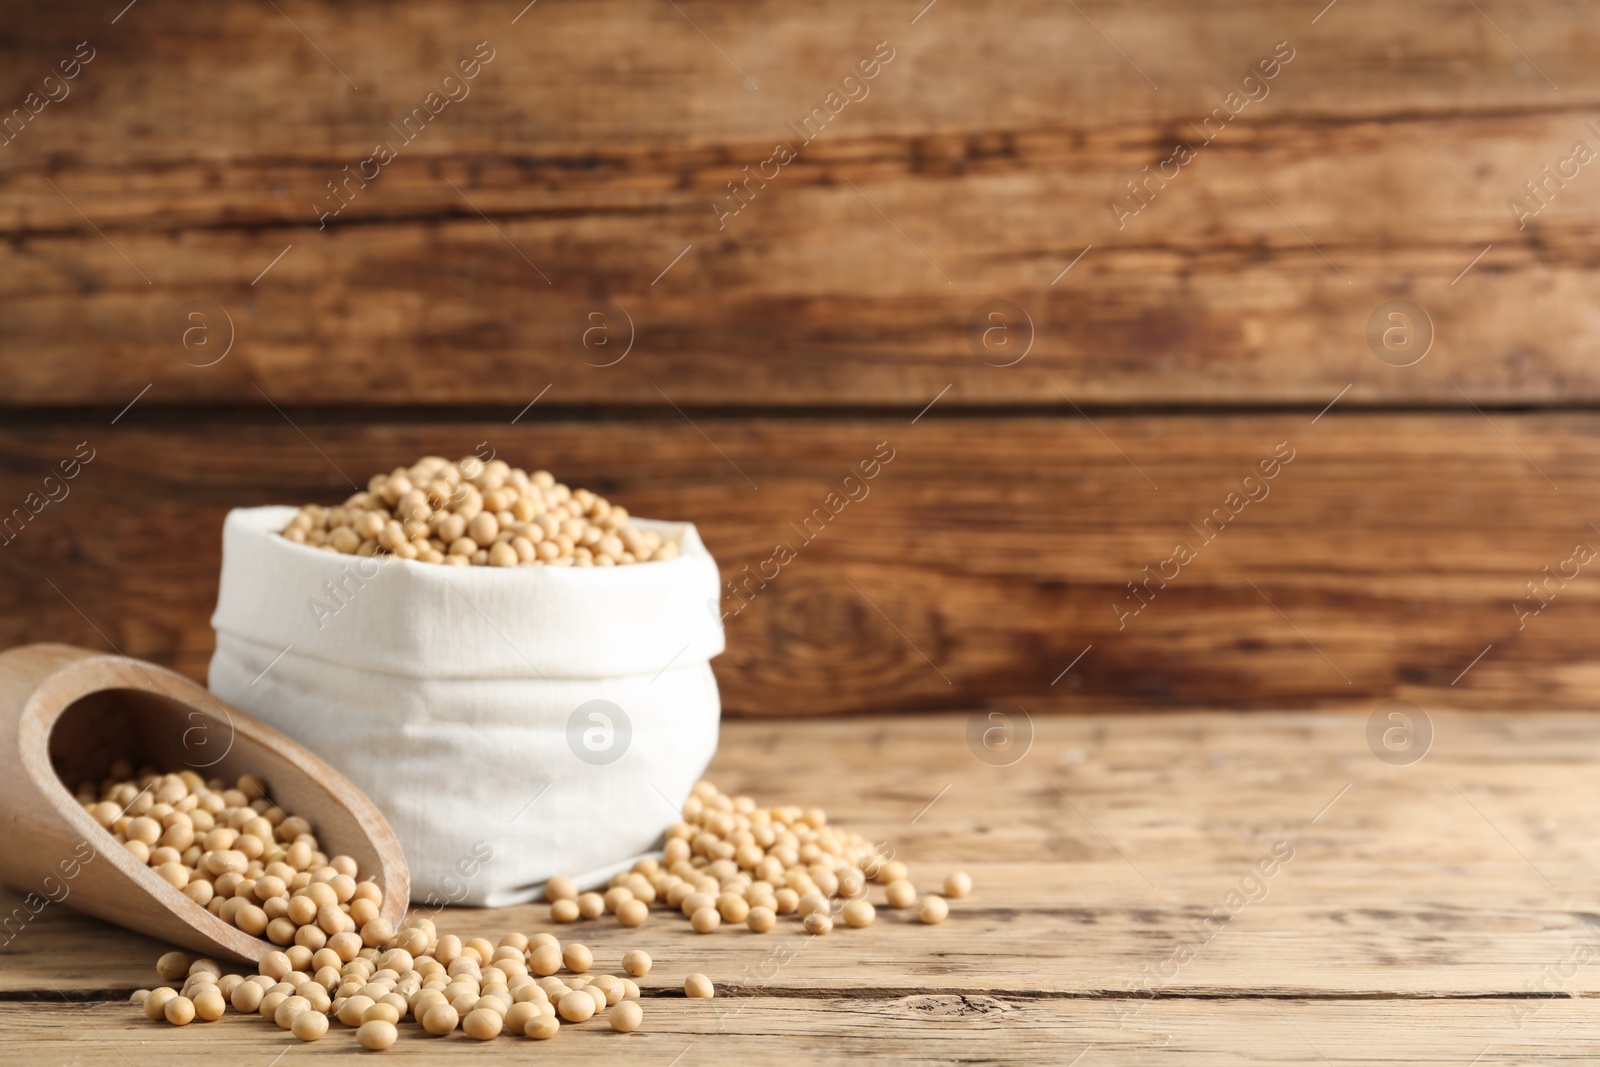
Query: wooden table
[[1436, 911]]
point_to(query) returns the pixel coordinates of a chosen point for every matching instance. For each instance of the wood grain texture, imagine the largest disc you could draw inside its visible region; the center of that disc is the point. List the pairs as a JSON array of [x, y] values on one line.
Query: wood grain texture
[[985, 158], [982, 561], [1420, 906], [870, 1026]]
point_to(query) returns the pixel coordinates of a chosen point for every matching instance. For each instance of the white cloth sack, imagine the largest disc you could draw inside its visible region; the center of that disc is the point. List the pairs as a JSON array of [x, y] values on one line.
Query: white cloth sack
[[458, 698]]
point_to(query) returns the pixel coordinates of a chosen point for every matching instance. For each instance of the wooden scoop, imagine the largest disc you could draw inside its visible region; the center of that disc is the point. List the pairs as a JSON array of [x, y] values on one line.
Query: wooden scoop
[[66, 714]]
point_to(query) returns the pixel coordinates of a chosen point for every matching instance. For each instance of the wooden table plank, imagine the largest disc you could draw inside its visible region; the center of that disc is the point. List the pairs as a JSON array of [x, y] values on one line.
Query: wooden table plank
[[441, 311], [912, 1030], [1395, 545], [642, 75], [997, 141]]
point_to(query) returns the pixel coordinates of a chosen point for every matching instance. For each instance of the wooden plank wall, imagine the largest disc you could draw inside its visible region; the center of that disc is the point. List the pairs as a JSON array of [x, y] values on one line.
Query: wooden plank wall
[[1154, 346]]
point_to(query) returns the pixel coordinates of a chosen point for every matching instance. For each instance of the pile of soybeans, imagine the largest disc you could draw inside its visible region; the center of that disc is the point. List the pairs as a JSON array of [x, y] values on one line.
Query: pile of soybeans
[[233, 851], [472, 513]]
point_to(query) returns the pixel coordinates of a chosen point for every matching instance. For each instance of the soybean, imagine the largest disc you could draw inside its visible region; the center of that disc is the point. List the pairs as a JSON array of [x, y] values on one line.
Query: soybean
[[546, 960], [859, 913], [626, 1016], [577, 957], [482, 1024], [818, 922], [309, 1025], [576, 1006], [155, 1005], [172, 966], [179, 1011], [377, 1035], [209, 1004]]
